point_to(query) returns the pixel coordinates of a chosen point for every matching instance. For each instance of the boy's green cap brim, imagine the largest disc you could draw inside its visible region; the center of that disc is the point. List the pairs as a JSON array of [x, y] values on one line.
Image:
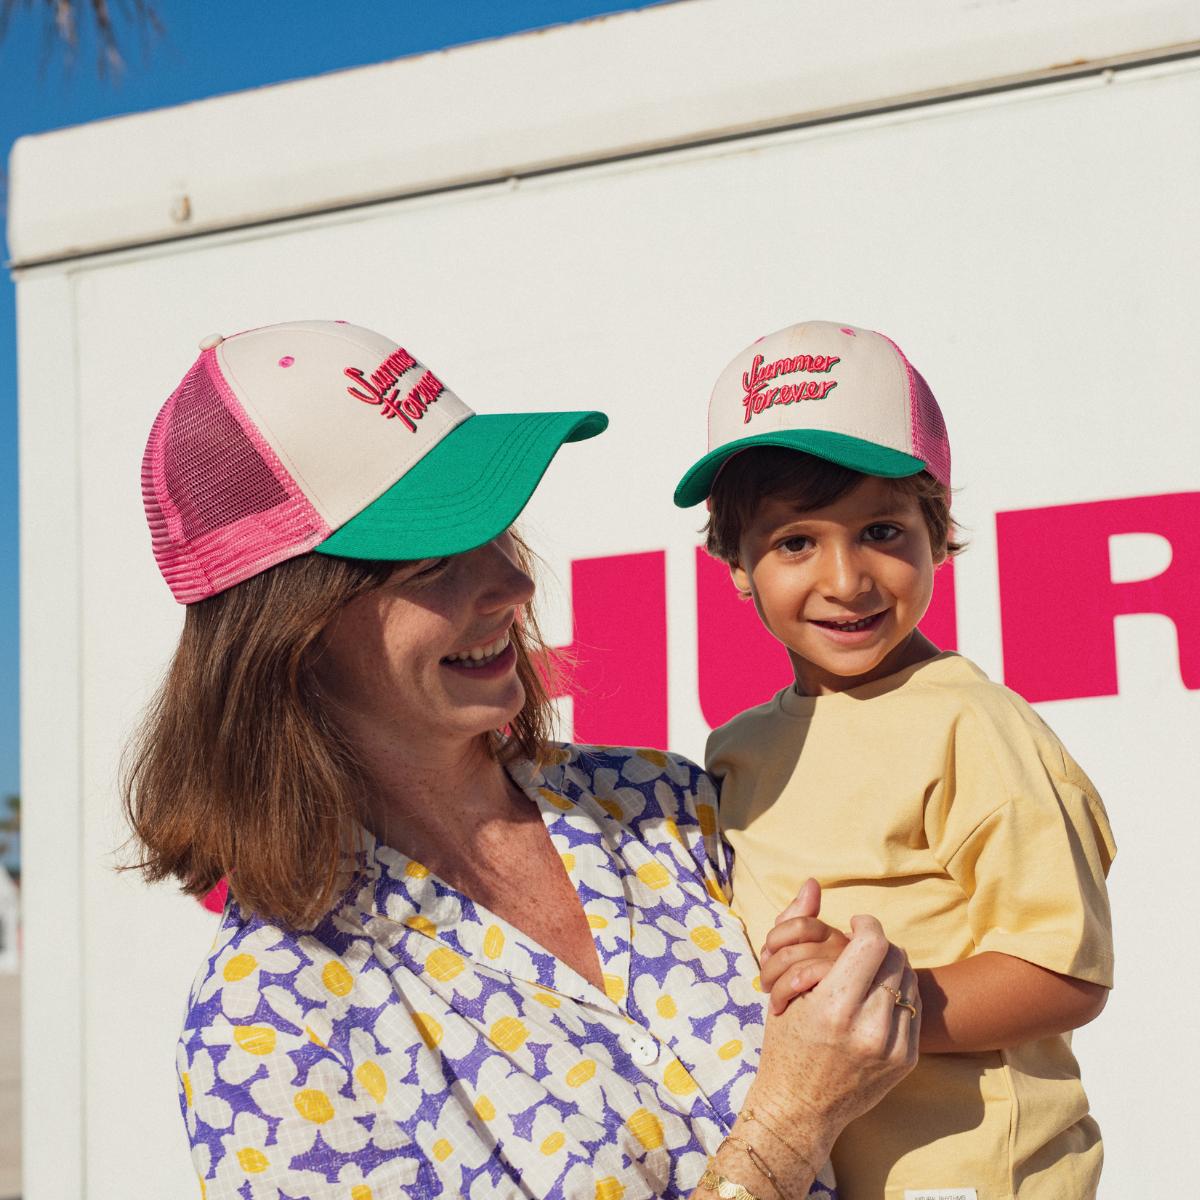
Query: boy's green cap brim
[[866, 457], [466, 491]]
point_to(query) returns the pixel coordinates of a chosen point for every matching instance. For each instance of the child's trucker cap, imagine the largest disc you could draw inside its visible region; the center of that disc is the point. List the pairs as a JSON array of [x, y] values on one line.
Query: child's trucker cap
[[319, 435], [844, 394]]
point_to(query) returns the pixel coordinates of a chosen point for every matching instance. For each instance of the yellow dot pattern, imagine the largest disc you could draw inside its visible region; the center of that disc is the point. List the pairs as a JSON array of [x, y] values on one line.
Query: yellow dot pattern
[[729, 1049], [255, 1039], [614, 988], [187, 1088], [252, 1161], [706, 937], [666, 1006], [679, 1082], [485, 1110], [509, 1034], [444, 964], [493, 942], [238, 967], [422, 925], [555, 800], [337, 979], [654, 875], [428, 1028], [581, 1072], [372, 1080], [360, 1191], [609, 1188], [553, 1144], [442, 1149], [647, 1128], [313, 1105], [707, 816]]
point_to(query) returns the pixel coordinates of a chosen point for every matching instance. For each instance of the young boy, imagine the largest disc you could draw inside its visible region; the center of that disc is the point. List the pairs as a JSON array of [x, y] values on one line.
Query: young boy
[[902, 779]]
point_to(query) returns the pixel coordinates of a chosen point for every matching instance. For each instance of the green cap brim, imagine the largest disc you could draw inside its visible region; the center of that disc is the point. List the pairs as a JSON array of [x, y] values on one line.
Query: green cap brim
[[852, 452], [467, 490]]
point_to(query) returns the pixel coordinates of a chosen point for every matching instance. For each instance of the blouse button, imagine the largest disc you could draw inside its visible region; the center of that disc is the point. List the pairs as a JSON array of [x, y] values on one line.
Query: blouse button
[[642, 1049]]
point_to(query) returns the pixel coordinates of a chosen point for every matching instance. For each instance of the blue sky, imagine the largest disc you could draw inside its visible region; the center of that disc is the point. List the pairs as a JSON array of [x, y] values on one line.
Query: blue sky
[[206, 49]]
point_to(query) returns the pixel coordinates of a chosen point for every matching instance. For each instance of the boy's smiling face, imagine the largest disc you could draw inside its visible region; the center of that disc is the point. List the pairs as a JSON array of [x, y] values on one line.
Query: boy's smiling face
[[842, 587]]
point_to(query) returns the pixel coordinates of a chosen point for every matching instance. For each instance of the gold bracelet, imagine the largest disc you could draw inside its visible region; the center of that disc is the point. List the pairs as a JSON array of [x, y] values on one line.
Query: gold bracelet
[[749, 1115], [712, 1181], [756, 1160]]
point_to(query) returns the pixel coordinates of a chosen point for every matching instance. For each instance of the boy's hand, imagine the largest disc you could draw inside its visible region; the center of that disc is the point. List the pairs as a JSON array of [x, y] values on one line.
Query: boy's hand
[[800, 950]]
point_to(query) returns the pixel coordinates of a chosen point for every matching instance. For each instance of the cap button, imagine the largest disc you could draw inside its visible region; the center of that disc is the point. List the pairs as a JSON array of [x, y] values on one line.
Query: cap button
[[211, 342]]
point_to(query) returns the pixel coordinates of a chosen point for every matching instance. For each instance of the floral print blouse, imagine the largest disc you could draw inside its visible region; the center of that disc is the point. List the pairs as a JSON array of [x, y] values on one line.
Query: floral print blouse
[[414, 1044]]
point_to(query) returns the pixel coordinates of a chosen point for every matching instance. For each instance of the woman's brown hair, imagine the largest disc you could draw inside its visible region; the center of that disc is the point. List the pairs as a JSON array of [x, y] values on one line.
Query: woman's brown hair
[[238, 770]]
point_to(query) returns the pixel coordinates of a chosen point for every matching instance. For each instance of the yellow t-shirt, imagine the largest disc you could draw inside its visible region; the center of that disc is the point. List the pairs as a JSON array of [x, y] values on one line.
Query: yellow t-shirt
[[939, 802]]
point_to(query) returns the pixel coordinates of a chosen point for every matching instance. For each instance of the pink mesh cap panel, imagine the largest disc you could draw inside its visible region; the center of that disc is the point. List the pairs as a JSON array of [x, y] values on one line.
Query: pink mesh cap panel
[[930, 441], [220, 504]]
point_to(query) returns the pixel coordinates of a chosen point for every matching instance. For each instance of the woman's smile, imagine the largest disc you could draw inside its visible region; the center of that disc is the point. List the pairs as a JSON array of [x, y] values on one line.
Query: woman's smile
[[488, 662]]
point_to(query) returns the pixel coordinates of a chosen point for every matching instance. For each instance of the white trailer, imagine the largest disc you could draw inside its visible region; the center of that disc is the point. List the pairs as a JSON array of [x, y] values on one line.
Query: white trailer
[[602, 214]]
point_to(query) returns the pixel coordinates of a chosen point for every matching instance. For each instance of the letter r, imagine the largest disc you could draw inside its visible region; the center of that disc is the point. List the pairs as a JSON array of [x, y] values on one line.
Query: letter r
[[1058, 600]]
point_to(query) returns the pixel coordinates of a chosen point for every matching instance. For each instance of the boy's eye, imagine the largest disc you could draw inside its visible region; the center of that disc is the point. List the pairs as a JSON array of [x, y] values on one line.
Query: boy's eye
[[796, 544], [881, 533]]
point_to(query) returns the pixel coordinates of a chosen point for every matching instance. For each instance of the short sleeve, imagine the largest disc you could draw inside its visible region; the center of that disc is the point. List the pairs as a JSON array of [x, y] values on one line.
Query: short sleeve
[[272, 1114], [1020, 828]]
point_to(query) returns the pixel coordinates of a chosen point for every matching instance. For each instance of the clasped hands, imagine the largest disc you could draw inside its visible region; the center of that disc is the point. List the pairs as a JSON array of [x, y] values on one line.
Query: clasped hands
[[839, 1030]]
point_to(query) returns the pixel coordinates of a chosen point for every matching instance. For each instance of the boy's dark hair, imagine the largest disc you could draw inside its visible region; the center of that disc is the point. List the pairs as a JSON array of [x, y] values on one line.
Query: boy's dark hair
[[809, 483]]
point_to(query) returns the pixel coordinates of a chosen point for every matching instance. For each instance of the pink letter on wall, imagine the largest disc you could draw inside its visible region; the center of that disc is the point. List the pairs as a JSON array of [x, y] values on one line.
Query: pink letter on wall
[[740, 664], [1058, 599], [940, 622], [615, 669]]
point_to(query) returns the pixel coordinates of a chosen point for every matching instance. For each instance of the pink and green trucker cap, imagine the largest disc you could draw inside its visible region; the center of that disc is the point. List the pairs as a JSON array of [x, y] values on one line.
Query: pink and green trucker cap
[[842, 393], [319, 435]]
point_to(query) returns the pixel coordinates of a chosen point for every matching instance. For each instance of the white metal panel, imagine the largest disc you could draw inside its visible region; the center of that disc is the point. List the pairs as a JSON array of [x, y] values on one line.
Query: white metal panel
[[53, 982], [680, 73], [1010, 243]]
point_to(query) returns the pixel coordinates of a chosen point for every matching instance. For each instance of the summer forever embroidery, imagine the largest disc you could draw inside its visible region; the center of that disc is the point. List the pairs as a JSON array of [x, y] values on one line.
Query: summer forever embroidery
[[760, 396], [381, 388]]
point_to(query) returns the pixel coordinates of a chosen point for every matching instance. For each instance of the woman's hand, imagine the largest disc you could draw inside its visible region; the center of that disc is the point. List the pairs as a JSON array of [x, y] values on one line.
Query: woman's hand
[[799, 940], [839, 1048]]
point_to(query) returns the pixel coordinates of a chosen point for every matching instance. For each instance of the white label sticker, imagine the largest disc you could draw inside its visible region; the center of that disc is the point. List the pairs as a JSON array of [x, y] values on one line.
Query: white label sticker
[[940, 1194]]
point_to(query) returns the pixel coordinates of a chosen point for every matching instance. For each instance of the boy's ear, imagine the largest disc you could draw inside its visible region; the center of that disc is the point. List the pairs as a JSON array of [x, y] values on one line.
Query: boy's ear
[[741, 580]]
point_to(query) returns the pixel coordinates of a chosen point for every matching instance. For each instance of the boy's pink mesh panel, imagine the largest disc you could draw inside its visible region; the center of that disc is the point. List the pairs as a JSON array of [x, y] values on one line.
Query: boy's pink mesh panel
[[931, 443], [220, 504]]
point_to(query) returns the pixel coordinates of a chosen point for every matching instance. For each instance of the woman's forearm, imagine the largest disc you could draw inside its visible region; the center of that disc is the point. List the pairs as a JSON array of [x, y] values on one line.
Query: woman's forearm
[[766, 1159]]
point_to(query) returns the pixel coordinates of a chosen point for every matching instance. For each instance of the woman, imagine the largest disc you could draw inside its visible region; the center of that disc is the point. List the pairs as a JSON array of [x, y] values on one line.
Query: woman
[[457, 959]]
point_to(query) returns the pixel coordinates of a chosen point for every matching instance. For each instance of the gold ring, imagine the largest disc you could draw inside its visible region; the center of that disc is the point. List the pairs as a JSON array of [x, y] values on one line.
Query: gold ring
[[899, 1000]]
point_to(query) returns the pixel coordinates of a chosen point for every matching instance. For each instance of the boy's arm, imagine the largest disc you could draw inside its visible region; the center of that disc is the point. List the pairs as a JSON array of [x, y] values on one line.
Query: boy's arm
[[993, 1001], [988, 1002]]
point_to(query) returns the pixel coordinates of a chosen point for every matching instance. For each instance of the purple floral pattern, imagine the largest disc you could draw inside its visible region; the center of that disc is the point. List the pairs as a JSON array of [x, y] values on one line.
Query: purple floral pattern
[[414, 1044]]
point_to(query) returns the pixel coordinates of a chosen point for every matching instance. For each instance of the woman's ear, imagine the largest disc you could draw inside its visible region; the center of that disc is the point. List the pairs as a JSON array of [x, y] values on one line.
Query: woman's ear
[[741, 580]]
